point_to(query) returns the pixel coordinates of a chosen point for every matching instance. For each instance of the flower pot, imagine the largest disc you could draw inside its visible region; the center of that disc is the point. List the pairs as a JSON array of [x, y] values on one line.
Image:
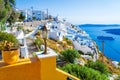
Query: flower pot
[[10, 57]]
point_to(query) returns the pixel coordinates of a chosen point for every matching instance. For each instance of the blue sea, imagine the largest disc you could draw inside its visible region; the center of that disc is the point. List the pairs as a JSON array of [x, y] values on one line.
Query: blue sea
[[111, 47]]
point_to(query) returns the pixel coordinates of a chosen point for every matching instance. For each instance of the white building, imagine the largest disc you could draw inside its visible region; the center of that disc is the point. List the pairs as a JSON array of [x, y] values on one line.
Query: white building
[[37, 14], [84, 48], [115, 63], [57, 30]]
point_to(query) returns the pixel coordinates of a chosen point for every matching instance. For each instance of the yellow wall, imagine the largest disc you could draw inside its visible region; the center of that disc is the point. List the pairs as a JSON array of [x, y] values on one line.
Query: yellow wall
[[23, 70], [48, 68], [33, 69], [50, 72]]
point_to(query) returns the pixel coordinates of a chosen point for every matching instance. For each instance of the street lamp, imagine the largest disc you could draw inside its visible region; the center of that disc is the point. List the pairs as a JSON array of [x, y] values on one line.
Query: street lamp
[[44, 36]]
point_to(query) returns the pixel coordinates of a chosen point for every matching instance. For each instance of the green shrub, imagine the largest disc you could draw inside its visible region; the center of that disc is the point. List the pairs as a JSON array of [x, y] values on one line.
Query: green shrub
[[69, 42], [38, 41], [65, 39], [70, 55], [34, 54], [99, 66], [80, 52], [84, 73], [38, 33], [19, 28], [2, 27], [119, 63]]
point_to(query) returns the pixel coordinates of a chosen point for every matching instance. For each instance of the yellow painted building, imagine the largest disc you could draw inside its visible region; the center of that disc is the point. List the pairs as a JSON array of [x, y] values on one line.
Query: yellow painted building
[[42, 67]]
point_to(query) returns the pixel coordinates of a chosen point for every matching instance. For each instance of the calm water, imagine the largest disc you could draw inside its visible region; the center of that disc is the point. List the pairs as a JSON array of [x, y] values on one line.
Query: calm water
[[111, 48]]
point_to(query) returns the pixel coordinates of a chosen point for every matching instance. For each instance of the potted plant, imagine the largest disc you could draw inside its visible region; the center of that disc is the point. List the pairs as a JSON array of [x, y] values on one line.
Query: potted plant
[[9, 46]]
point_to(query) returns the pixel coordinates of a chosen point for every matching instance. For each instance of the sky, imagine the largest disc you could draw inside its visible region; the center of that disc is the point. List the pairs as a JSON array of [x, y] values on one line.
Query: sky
[[78, 11]]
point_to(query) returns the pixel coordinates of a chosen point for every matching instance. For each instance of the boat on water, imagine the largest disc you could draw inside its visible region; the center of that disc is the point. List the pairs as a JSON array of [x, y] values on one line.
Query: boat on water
[[105, 38]]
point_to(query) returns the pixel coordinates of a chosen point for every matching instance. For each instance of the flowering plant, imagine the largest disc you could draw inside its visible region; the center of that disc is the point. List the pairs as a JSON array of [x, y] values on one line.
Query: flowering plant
[[8, 41], [7, 46]]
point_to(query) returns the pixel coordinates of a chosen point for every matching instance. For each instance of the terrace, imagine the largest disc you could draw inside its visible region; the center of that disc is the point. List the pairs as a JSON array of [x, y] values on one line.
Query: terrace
[[42, 67]]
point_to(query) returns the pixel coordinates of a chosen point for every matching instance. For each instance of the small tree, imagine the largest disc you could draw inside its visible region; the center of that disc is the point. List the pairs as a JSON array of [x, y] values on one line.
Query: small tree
[[21, 17], [13, 17], [5, 10], [34, 18], [50, 17], [69, 55]]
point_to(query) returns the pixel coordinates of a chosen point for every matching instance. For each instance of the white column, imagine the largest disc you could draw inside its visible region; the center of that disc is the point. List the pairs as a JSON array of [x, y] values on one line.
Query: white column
[[24, 49]]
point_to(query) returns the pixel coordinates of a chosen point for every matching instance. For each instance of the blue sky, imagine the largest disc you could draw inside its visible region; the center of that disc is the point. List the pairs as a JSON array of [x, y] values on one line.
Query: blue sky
[[78, 11]]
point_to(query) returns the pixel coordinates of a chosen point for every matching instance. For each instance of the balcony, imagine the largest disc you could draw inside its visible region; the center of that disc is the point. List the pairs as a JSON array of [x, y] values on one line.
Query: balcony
[[42, 67]]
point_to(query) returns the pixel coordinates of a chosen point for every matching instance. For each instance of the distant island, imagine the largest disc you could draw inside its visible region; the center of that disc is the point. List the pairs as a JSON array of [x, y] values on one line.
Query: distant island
[[99, 25], [113, 31]]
